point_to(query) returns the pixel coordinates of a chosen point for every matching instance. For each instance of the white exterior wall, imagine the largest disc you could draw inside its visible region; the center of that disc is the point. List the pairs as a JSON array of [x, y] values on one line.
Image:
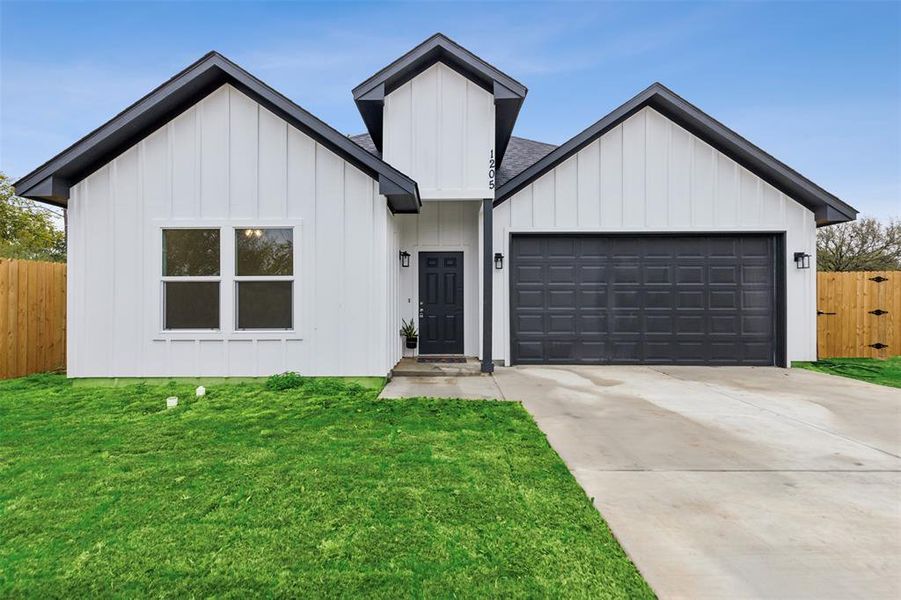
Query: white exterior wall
[[442, 227], [439, 130], [650, 175], [229, 162]]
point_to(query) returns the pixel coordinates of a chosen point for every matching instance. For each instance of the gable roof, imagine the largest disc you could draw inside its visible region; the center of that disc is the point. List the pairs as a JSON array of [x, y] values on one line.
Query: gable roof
[[827, 208], [508, 93], [521, 154], [51, 181]]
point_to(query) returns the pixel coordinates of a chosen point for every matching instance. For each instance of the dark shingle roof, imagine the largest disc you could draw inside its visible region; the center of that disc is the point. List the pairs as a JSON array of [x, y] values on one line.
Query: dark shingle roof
[[521, 154]]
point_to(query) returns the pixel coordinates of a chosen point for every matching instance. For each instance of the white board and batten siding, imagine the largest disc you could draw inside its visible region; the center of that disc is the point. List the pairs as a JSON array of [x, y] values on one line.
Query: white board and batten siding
[[650, 175], [228, 162], [439, 129]]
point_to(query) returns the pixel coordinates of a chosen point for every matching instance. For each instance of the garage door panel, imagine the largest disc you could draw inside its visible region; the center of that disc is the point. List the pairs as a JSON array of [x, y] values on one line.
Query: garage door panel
[[660, 299]]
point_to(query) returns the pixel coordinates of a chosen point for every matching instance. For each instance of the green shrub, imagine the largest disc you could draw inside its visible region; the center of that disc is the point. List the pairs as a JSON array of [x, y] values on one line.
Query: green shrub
[[285, 381]]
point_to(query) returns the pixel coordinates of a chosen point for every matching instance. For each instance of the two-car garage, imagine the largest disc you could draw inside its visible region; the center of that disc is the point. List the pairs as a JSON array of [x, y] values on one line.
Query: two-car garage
[[705, 299]]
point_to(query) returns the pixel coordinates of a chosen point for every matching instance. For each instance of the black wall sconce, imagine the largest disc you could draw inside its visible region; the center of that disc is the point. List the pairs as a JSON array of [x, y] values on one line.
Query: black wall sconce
[[404, 259], [498, 260], [802, 260]]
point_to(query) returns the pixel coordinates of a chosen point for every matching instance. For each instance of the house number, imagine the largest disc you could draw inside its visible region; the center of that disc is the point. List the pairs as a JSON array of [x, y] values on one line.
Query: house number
[[491, 171]]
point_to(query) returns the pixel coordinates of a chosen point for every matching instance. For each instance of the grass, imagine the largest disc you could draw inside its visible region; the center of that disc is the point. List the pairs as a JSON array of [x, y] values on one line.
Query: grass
[[874, 370], [317, 491]]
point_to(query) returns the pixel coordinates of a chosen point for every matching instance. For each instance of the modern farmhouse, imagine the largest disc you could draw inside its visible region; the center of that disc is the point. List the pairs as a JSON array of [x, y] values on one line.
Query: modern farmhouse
[[218, 229]]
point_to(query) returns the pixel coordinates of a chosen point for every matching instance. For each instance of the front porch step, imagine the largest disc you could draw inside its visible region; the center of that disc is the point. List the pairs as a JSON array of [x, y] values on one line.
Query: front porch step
[[410, 367]]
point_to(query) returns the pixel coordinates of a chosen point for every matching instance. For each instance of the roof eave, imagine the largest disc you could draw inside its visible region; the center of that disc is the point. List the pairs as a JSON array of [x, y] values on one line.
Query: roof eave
[[827, 208], [51, 181]]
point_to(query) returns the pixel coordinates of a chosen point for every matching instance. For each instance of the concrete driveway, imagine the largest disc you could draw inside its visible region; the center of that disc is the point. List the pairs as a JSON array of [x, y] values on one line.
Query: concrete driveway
[[733, 482]]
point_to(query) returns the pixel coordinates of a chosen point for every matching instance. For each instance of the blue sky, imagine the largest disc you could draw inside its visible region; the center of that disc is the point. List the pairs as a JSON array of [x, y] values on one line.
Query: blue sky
[[818, 85]]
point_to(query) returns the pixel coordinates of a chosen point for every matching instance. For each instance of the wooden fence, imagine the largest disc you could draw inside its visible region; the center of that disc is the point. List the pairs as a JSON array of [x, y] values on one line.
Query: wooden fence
[[32, 317], [859, 314]]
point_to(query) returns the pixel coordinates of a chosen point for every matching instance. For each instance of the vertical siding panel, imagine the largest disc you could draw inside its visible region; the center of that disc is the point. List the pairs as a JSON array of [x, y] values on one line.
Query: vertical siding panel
[[501, 220], [127, 258], [452, 129], [398, 130], [706, 204], [185, 202], [728, 191], [243, 155], [543, 200], [357, 293], [73, 279], [589, 185], [428, 225], [771, 205], [378, 355], [749, 198], [612, 178], [656, 169], [329, 263], [634, 131], [157, 186], [480, 125], [566, 195], [214, 167], [450, 223], [99, 275], [680, 178], [521, 208], [425, 127], [273, 190], [301, 175]]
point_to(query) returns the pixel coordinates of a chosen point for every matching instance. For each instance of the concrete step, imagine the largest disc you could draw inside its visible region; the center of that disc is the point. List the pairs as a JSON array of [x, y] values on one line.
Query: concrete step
[[411, 367]]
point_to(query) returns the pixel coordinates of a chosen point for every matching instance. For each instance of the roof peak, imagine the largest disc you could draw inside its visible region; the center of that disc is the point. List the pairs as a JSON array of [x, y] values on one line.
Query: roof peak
[[508, 93]]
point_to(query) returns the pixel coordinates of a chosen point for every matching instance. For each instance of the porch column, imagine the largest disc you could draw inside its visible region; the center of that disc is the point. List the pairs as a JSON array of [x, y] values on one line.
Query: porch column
[[487, 278]]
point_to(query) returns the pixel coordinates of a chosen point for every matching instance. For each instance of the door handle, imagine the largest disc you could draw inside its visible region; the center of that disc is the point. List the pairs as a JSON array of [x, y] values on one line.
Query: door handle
[[421, 313]]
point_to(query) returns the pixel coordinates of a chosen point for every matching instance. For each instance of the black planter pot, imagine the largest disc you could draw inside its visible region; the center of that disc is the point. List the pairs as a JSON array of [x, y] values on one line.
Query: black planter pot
[[412, 342]]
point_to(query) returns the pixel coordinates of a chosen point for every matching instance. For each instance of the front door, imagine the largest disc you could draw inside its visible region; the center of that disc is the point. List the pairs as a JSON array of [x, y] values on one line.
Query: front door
[[441, 302]]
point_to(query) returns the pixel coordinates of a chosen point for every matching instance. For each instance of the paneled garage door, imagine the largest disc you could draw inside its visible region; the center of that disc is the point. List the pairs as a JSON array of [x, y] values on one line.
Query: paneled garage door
[[654, 299]]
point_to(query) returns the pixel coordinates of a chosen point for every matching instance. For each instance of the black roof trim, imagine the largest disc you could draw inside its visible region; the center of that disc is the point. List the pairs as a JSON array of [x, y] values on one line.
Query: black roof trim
[[508, 93], [51, 181], [827, 208]]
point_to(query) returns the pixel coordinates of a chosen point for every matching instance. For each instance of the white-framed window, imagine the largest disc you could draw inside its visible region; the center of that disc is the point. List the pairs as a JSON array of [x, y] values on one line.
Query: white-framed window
[[191, 278], [264, 278]]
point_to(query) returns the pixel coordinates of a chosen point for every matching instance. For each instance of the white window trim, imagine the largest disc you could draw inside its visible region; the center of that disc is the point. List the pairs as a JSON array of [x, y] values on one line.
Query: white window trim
[[228, 290], [186, 279], [236, 279]]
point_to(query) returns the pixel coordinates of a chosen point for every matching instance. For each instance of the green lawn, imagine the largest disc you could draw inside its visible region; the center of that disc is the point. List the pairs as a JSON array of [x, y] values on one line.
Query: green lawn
[[318, 491], [875, 370]]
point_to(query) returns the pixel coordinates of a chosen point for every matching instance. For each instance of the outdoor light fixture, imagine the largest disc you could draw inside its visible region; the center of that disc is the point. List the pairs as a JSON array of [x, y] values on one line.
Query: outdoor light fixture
[[404, 259], [802, 260], [498, 260]]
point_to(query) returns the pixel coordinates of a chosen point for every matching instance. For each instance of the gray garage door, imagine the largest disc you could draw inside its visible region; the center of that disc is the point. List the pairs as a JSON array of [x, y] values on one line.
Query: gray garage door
[[643, 299]]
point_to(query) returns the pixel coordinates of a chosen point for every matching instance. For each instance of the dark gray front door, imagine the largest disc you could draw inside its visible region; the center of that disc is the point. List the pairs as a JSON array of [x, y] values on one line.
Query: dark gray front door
[[441, 302], [668, 299]]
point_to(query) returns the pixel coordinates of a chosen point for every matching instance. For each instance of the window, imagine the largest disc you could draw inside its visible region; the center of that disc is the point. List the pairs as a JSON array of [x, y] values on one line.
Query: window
[[191, 278], [264, 278]]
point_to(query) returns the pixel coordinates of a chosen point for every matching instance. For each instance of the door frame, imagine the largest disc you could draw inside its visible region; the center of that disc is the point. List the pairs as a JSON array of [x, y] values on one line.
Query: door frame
[[419, 251], [780, 322]]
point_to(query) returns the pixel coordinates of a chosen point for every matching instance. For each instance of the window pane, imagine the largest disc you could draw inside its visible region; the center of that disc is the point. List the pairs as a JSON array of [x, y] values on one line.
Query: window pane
[[264, 252], [192, 305], [264, 304], [190, 252]]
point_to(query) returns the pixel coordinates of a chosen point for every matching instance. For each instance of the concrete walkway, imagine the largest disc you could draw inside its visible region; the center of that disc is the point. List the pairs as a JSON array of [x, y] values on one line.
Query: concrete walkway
[[729, 482]]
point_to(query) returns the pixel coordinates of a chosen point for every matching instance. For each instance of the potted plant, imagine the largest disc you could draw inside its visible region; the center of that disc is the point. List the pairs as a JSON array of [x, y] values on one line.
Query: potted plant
[[408, 330]]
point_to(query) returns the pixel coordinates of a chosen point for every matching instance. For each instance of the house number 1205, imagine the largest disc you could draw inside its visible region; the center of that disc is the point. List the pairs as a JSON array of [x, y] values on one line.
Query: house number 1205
[[491, 171]]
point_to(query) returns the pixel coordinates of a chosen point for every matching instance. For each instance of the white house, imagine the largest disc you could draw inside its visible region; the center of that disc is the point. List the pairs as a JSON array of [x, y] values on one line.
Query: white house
[[218, 229]]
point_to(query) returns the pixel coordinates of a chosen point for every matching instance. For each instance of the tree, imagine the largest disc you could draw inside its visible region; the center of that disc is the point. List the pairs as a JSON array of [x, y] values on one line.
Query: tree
[[27, 229], [862, 245]]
